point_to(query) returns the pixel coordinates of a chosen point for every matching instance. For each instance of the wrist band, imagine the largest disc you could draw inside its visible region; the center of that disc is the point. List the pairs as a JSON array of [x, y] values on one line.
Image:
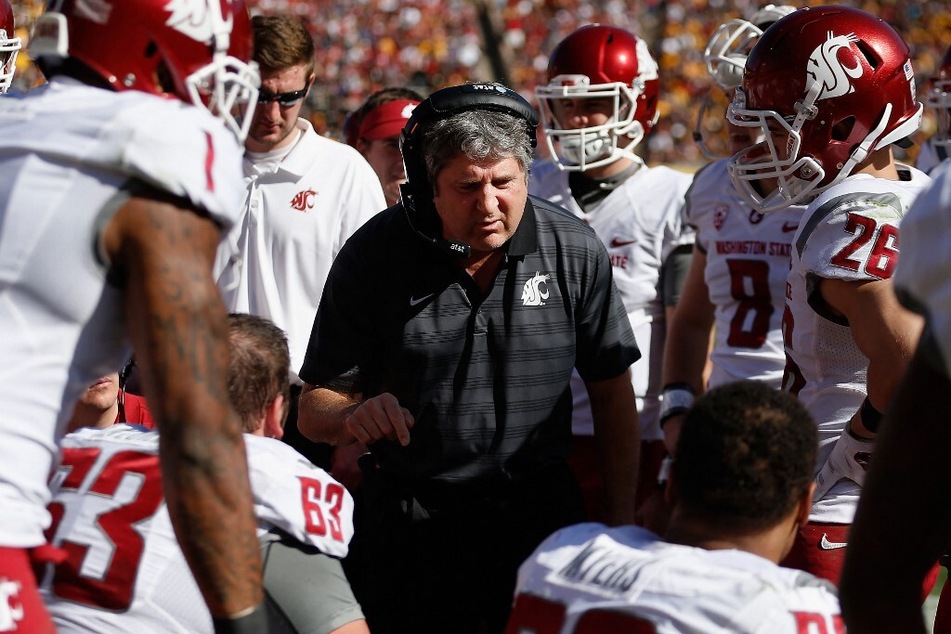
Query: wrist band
[[677, 399], [254, 622], [871, 417]]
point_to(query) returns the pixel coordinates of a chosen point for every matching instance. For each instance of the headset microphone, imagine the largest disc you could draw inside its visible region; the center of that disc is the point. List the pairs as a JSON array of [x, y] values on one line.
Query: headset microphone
[[452, 247]]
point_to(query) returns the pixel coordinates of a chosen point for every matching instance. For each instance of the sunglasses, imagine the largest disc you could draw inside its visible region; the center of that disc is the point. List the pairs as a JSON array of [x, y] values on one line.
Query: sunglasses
[[284, 99]]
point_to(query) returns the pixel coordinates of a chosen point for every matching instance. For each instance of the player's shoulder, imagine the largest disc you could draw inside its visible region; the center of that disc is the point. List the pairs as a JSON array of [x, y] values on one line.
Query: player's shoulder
[[547, 179], [866, 193], [543, 168], [879, 200], [664, 176], [119, 434], [272, 451], [556, 224], [298, 498], [711, 191], [271, 460], [597, 536], [166, 143]]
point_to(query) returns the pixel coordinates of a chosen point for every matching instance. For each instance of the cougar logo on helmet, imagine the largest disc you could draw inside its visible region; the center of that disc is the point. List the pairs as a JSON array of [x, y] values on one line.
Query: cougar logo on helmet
[[193, 18], [825, 67]]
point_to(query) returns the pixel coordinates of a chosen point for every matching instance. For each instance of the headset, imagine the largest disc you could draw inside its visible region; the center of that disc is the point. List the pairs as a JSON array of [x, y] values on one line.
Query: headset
[[416, 193]]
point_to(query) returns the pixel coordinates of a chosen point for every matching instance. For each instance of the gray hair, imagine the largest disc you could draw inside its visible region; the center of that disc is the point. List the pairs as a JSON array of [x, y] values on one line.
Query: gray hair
[[478, 135]]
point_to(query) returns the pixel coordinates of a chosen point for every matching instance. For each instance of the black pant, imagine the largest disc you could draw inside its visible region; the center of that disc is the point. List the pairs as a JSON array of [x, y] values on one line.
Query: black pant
[[449, 565]]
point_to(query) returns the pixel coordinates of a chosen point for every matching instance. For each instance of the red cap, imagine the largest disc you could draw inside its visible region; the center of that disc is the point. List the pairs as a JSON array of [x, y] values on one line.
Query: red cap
[[387, 119]]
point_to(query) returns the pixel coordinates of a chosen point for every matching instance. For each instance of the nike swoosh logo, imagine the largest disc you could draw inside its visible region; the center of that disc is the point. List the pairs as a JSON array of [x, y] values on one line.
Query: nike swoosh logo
[[413, 301], [790, 226], [617, 243], [825, 544]]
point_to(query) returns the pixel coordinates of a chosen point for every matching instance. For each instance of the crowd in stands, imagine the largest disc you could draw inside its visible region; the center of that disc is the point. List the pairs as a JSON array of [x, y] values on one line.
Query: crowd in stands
[[367, 45]]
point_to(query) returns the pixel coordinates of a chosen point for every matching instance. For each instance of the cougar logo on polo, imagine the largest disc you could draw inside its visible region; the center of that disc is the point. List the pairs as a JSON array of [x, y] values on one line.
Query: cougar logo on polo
[[536, 290], [304, 200], [826, 68], [193, 18], [11, 610]]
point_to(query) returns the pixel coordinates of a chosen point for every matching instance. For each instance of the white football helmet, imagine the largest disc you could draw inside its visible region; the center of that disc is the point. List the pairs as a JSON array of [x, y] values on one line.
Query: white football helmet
[[729, 46], [725, 56]]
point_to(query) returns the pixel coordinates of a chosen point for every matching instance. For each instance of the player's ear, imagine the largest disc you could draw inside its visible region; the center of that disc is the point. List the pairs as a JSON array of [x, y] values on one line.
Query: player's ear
[[805, 505], [274, 417]]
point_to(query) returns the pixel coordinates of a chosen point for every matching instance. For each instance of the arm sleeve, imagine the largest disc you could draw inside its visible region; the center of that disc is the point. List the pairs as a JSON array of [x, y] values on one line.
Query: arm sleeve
[[674, 272], [291, 573]]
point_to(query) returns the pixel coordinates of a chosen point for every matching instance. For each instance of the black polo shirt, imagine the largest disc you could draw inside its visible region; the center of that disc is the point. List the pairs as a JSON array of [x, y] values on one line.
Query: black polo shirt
[[486, 377]]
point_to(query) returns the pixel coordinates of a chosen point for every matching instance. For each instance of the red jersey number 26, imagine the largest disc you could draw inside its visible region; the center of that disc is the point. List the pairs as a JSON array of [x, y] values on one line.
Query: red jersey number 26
[[882, 257]]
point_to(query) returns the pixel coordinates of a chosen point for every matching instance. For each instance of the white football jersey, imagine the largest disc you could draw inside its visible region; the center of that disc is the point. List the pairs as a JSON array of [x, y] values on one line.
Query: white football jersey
[[125, 571], [294, 221], [590, 579], [640, 223], [66, 150], [747, 264], [849, 232], [922, 277]]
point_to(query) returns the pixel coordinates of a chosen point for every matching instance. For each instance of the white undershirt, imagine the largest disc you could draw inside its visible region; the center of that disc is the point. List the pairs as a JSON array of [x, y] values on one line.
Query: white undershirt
[[257, 163]]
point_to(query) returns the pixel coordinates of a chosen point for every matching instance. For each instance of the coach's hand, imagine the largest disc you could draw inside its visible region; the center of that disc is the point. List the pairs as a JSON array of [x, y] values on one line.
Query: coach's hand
[[380, 417], [849, 459]]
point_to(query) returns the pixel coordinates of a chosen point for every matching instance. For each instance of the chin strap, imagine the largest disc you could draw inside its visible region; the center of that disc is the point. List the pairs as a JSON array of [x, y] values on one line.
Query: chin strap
[[860, 153]]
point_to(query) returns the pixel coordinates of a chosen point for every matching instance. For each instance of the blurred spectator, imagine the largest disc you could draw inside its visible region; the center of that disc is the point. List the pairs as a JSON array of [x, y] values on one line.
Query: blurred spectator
[[106, 402], [374, 129], [427, 44]]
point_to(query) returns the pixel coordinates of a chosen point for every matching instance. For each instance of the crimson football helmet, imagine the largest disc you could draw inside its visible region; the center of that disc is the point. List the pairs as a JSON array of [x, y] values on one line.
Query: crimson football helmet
[[198, 51], [599, 62], [826, 86], [9, 46], [939, 98]]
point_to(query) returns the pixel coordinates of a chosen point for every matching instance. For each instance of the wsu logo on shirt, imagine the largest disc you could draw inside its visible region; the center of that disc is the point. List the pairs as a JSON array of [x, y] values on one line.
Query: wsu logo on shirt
[[536, 290], [826, 69], [304, 200]]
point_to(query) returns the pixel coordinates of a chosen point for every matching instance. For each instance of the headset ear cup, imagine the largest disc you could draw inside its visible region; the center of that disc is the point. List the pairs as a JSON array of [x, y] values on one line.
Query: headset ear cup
[[443, 104]]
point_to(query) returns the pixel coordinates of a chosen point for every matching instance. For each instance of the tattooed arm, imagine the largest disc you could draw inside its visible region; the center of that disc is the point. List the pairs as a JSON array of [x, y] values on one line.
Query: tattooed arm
[[163, 251]]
